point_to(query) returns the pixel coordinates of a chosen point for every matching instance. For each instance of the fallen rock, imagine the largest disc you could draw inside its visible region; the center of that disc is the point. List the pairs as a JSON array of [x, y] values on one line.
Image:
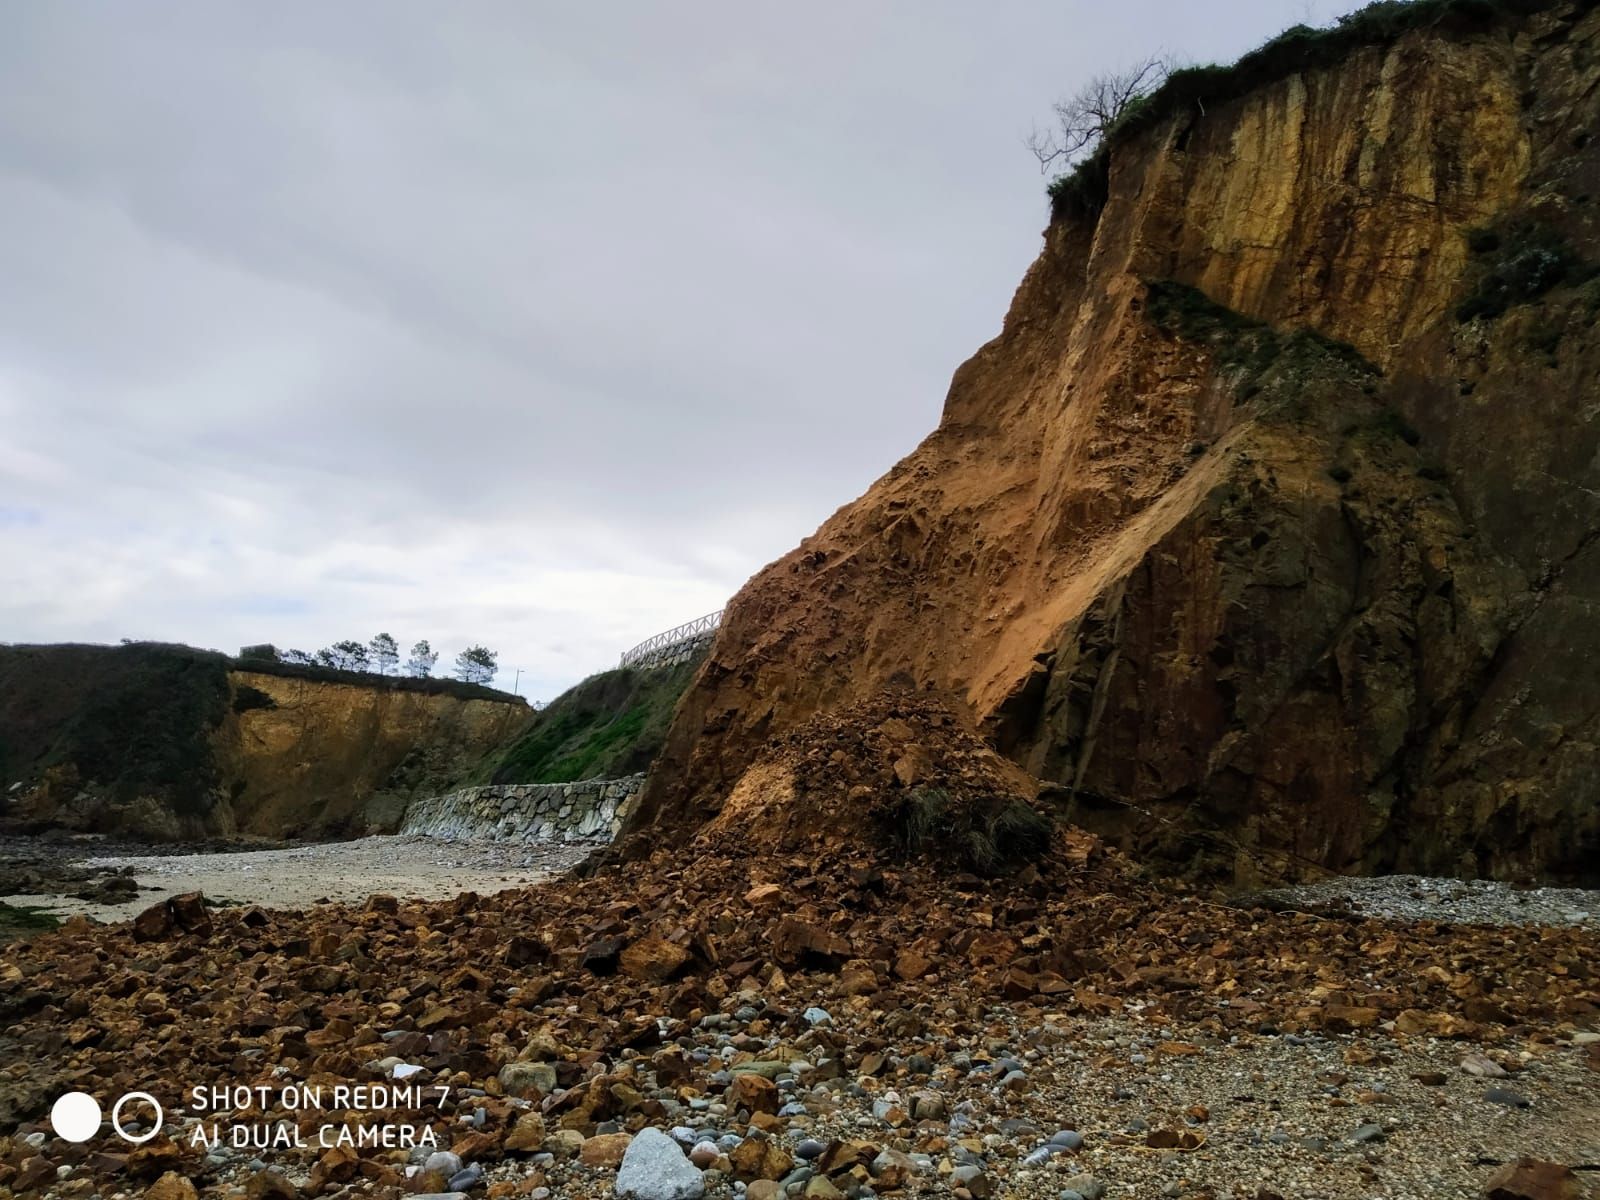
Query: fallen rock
[[171, 1186], [653, 960], [604, 1149], [1532, 1179], [654, 1168]]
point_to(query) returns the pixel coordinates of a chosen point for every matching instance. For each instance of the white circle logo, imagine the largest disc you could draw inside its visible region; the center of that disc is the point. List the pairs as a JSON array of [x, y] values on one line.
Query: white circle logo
[[76, 1116], [116, 1114]]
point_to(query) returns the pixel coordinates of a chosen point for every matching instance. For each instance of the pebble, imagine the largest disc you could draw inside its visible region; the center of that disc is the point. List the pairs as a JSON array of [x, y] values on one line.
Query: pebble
[[443, 1161], [1368, 1133], [1507, 1097], [704, 1154], [466, 1178]]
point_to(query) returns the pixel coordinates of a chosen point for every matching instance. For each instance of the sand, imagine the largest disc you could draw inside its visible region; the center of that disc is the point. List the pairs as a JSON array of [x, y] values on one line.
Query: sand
[[300, 876]]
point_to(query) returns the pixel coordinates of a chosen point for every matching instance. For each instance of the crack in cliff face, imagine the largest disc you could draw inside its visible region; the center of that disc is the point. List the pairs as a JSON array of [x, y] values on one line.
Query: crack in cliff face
[[1237, 543]]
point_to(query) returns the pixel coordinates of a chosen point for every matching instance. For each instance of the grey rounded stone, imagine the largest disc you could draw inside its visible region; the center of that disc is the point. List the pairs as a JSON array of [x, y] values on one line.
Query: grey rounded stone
[[654, 1168]]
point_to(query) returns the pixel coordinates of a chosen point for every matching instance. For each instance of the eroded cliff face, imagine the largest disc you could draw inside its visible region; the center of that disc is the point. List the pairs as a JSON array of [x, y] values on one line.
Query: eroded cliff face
[[173, 742], [334, 757], [1252, 599]]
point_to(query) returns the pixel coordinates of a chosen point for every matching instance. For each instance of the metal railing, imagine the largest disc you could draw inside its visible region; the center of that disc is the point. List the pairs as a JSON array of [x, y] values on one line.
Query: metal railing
[[651, 647]]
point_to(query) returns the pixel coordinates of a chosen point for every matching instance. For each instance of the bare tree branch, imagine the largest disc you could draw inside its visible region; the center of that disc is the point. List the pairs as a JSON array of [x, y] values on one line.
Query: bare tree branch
[[1083, 119]]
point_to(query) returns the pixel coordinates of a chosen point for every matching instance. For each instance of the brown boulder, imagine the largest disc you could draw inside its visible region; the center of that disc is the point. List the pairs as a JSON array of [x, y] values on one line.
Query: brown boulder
[[604, 1150], [760, 1158], [1532, 1179], [171, 1186], [754, 1093], [653, 960], [190, 912], [527, 1135]]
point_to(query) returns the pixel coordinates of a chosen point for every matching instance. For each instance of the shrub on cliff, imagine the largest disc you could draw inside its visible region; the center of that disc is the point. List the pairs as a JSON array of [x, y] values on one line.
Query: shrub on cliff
[[1083, 190]]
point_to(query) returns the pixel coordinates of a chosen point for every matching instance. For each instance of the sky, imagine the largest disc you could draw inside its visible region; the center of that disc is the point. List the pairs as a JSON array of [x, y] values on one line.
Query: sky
[[535, 325]]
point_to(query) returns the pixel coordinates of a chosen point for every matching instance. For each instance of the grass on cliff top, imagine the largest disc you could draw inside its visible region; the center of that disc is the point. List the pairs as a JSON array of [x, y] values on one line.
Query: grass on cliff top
[[1082, 191]]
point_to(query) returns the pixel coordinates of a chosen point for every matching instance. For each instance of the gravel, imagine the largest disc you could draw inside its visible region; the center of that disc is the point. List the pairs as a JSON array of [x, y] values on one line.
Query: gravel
[[297, 877], [1449, 901]]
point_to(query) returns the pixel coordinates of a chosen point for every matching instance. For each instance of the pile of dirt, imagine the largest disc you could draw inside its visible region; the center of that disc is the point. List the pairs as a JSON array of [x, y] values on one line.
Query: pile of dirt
[[900, 770], [1265, 527]]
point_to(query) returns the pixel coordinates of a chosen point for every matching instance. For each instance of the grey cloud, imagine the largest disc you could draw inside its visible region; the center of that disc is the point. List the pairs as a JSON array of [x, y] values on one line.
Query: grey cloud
[[542, 325]]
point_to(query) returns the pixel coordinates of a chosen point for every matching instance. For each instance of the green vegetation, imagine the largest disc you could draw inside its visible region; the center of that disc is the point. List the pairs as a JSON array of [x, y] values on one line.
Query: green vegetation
[[1518, 265], [143, 721], [426, 685], [20, 921], [139, 719], [1251, 347], [246, 698], [987, 837], [609, 725], [1082, 191]]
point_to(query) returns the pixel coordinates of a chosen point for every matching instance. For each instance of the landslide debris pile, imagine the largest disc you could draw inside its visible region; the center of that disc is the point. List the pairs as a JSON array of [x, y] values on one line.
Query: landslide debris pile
[[898, 771], [565, 1014], [1265, 526]]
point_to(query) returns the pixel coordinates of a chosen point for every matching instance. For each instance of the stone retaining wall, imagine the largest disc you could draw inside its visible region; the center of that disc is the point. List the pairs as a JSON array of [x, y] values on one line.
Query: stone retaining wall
[[677, 652], [526, 812]]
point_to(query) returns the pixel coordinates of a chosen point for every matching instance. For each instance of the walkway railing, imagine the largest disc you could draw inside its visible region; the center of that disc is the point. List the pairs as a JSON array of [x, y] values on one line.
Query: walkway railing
[[691, 629]]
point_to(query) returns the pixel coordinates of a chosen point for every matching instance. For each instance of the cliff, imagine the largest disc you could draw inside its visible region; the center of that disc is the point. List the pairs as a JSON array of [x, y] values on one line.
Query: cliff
[[169, 741], [1265, 531]]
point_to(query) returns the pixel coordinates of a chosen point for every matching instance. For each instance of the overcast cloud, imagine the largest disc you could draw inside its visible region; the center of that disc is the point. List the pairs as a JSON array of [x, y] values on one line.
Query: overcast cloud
[[531, 324]]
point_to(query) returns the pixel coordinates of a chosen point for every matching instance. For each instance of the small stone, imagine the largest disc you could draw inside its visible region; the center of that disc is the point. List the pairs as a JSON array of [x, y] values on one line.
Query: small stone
[[1067, 1139], [809, 1149], [564, 1143], [1368, 1133], [972, 1178], [171, 1186], [527, 1135], [704, 1154], [1507, 1097], [1086, 1186], [604, 1149], [465, 1179], [444, 1162], [817, 1016], [1483, 1068]]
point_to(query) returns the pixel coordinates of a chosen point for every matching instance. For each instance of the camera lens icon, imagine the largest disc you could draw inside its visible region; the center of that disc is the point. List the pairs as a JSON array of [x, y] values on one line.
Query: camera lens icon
[[76, 1117]]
